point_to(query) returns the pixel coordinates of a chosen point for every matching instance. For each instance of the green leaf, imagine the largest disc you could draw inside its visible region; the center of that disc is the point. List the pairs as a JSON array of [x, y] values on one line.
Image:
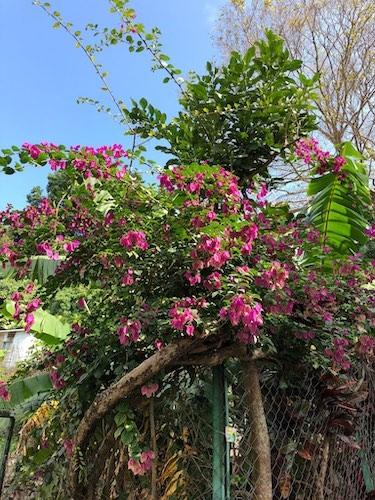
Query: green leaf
[[42, 267], [24, 389], [49, 328], [104, 201], [340, 207]]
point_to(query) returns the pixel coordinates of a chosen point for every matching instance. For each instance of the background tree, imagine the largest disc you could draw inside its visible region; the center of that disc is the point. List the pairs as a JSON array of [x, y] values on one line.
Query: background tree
[[334, 39], [34, 197], [243, 115]]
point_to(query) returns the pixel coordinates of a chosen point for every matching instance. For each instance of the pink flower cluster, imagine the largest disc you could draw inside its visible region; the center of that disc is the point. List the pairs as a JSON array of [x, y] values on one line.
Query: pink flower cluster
[[213, 281], [27, 310], [338, 354], [165, 182], [128, 278], [134, 239], [274, 278], [129, 331], [309, 151], [4, 392], [71, 246], [143, 465], [57, 381], [245, 315], [209, 253], [247, 235], [33, 150], [46, 249], [184, 313], [366, 345], [149, 390], [103, 162], [213, 183]]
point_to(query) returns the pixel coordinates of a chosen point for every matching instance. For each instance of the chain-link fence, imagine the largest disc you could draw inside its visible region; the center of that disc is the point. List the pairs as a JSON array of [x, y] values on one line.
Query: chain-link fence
[[321, 431], [6, 431]]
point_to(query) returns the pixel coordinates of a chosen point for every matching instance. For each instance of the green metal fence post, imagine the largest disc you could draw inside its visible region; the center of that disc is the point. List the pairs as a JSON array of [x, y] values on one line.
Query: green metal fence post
[[220, 459]]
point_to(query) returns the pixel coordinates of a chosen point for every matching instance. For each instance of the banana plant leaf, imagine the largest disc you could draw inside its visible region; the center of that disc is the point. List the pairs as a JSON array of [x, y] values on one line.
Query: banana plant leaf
[[341, 209], [27, 389]]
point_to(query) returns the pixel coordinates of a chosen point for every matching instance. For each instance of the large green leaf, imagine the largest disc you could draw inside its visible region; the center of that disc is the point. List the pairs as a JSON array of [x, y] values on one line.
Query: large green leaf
[[49, 328], [104, 201], [46, 327], [24, 389], [340, 208], [42, 267]]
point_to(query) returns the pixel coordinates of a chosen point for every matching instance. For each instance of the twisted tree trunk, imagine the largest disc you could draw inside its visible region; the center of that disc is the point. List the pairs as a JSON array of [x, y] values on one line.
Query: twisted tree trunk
[[109, 398], [259, 438]]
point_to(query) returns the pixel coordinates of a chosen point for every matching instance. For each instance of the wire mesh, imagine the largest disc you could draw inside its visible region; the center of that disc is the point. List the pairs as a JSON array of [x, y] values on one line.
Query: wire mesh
[[310, 458]]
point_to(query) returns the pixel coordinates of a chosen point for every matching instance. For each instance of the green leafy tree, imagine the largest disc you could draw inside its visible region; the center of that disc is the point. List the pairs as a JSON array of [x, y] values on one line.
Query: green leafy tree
[[34, 197], [243, 115]]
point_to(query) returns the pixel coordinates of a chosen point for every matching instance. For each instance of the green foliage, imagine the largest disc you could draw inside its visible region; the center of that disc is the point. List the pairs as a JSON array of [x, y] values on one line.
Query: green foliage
[[42, 268], [241, 116], [340, 207], [34, 197], [47, 327], [58, 186], [22, 390]]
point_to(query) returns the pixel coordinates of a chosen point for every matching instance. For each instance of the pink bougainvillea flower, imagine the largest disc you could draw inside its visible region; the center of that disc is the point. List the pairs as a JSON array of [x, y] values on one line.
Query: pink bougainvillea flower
[[33, 305], [338, 354], [149, 390], [120, 174], [139, 468], [4, 392], [81, 303], [128, 278], [213, 281], [146, 459], [57, 381], [71, 246], [263, 191], [190, 329], [180, 317], [166, 182], [193, 279], [134, 239], [366, 345], [29, 321], [33, 150], [135, 467], [129, 331], [211, 215], [159, 344], [219, 259], [338, 163], [247, 316], [45, 248], [29, 288]]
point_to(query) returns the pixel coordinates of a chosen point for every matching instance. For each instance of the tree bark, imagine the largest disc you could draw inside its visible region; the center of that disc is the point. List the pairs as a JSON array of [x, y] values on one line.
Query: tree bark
[[321, 480], [259, 438], [109, 398]]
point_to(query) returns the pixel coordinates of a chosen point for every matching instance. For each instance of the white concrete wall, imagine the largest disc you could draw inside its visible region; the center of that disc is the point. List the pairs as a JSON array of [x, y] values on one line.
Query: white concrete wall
[[18, 349]]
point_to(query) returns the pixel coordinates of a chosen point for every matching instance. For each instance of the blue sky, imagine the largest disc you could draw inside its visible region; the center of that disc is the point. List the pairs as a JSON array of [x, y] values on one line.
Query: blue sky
[[42, 74]]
